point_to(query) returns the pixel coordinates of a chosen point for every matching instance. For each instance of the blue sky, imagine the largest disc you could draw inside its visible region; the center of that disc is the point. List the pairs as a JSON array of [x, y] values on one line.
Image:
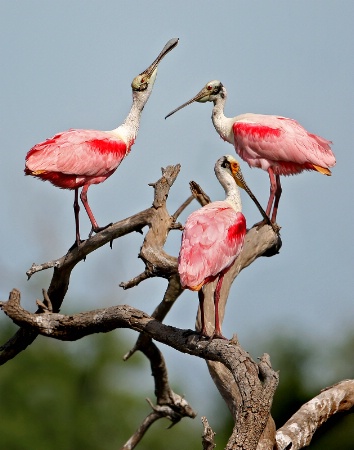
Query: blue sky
[[70, 64]]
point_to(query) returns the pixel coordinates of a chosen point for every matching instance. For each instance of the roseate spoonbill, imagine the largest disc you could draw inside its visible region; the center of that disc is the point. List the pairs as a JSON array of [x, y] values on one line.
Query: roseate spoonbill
[[213, 237], [78, 158], [279, 145]]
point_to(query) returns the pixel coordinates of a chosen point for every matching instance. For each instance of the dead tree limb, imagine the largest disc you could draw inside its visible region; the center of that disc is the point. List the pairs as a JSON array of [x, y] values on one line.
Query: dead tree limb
[[208, 435], [168, 404], [157, 263], [300, 428], [257, 382], [63, 266], [73, 327], [159, 412], [258, 242]]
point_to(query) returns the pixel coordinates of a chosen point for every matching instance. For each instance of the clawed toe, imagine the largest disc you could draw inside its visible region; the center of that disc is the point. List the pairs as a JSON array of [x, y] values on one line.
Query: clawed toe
[[76, 244], [204, 335], [218, 336], [98, 229], [275, 226]]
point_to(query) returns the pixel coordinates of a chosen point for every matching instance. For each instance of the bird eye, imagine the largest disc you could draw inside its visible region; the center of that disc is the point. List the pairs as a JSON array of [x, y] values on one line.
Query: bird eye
[[225, 164], [140, 83], [209, 87]]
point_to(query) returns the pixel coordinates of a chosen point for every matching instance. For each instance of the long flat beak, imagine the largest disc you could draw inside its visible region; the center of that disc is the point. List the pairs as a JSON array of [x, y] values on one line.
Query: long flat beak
[[203, 93], [171, 44], [238, 177]]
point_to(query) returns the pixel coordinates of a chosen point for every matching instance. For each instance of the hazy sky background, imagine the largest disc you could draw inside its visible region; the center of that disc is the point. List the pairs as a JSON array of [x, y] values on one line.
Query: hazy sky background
[[70, 64]]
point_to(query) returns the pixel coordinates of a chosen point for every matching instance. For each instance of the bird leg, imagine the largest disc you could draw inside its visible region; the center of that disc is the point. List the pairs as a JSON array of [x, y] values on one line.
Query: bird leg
[[217, 329], [273, 187], [275, 193], [277, 198], [76, 212], [83, 197], [201, 306]]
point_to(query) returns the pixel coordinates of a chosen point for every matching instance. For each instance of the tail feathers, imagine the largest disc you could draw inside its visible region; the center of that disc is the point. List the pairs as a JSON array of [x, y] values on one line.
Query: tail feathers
[[34, 172], [323, 170]]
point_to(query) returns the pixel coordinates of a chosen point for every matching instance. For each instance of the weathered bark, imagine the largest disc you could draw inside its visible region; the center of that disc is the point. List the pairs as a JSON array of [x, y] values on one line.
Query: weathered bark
[[208, 435], [300, 428], [257, 382]]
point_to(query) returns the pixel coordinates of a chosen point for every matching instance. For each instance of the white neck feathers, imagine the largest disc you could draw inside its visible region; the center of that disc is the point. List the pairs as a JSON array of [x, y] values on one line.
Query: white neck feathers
[[130, 127], [222, 124], [232, 191]]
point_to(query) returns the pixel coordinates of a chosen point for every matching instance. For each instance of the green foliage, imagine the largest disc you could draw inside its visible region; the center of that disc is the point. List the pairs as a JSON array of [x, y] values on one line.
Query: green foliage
[[75, 395], [78, 395]]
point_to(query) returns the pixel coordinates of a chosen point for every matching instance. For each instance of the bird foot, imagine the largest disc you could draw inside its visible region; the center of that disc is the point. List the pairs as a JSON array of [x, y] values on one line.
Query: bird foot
[[203, 334], [98, 229], [217, 336], [76, 244], [275, 226]]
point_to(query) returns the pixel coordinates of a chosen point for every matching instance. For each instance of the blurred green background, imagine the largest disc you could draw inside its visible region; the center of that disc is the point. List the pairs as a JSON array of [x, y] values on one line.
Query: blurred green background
[[63, 395]]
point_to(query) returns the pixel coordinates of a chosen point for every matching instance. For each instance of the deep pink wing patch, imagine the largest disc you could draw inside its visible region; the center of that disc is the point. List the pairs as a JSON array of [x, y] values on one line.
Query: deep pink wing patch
[[85, 155], [281, 143], [212, 238]]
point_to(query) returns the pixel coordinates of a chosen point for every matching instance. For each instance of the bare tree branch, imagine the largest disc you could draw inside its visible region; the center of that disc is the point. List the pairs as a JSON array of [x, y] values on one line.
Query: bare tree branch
[[247, 387], [77, 326], [183, 207], [257, 382], [269, 243], [300, 428], [257, 242], [145, 344], [63, 266], [208, 435], [261, 240], [163, 392], [199, 194], [158, 412]]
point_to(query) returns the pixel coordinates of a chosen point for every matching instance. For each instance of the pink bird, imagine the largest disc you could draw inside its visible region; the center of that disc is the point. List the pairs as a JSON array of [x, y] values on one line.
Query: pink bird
[[213, 237], [279, 145], [78, 158]]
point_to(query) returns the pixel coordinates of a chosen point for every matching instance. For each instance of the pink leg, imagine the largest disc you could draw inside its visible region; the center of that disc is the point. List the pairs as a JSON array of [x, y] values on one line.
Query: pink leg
[[201, 306], [83, 197], [217, 330], [273, 188], [76, 212], [94, 224], [277, 198]]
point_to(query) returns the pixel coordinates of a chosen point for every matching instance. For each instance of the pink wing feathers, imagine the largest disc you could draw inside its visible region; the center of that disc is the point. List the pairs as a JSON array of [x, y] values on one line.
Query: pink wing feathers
[[212, 239], [282, 143], [82, 153]]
